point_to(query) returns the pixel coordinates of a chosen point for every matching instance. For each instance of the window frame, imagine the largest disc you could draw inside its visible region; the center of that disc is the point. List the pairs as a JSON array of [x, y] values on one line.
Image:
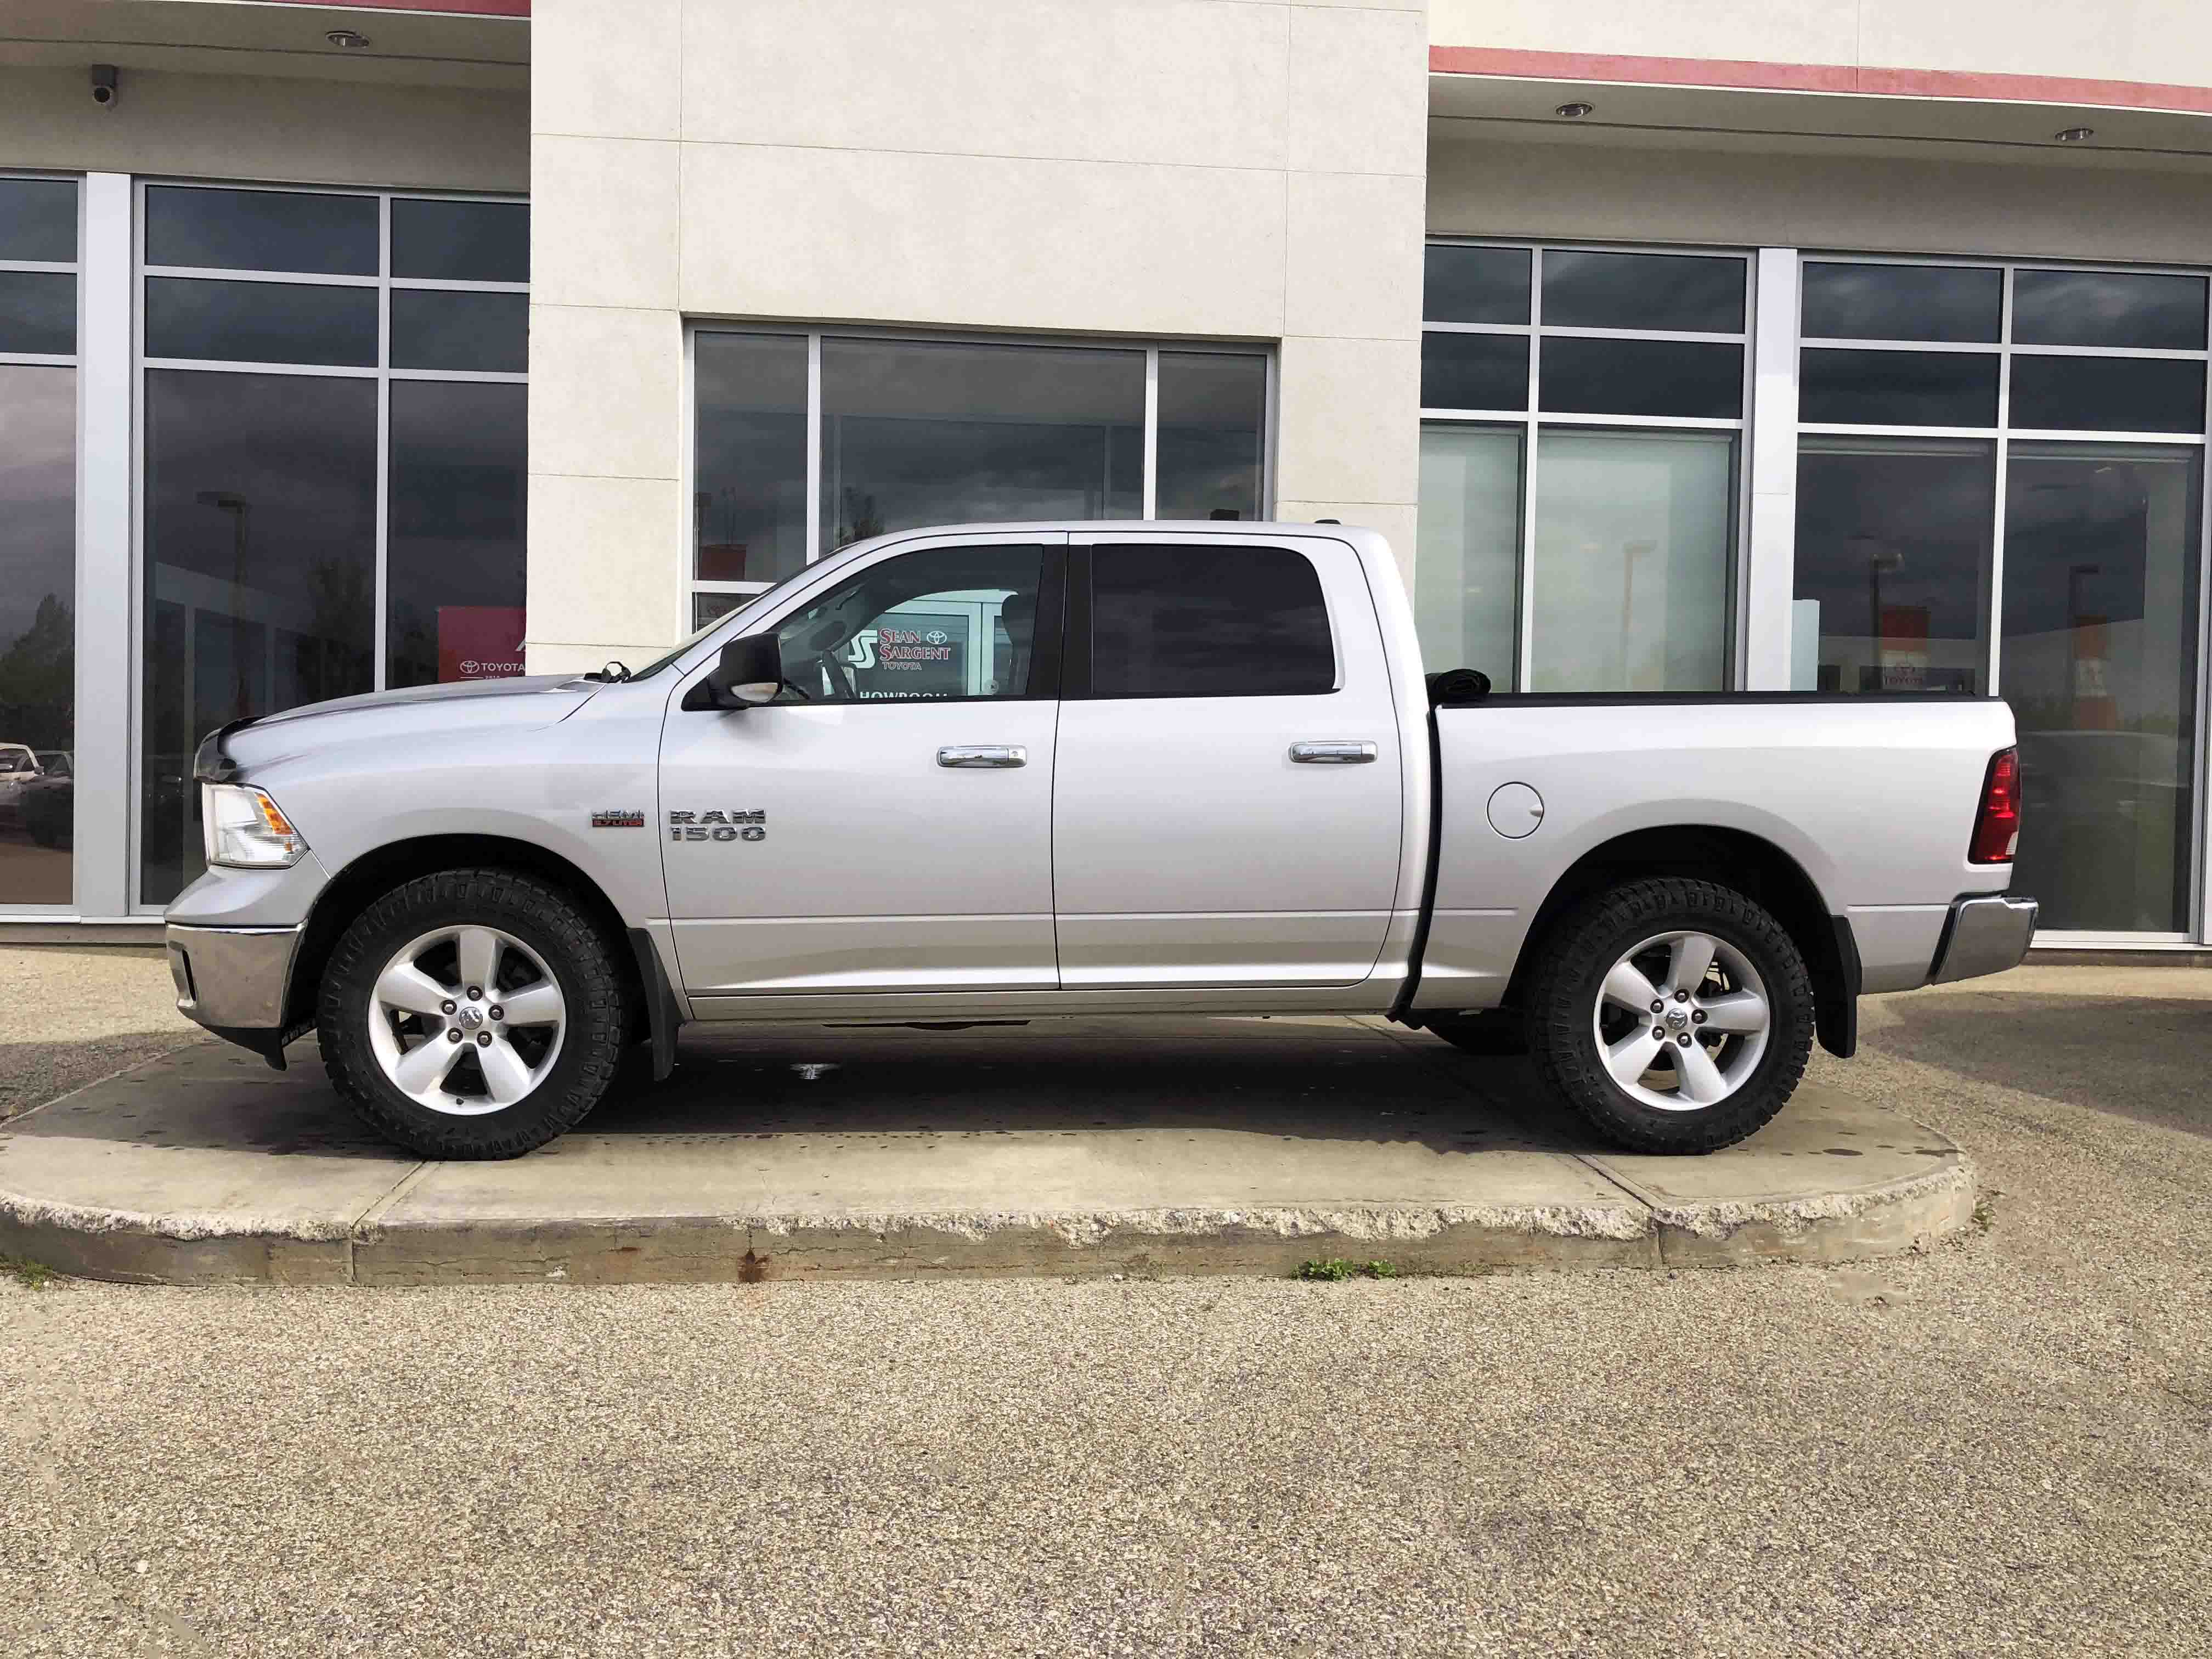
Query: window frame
[[2198, 907], [1533, 420], [384, 282], [693, 589]]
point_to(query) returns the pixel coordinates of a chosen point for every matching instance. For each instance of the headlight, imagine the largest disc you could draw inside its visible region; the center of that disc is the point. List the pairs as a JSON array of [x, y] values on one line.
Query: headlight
[[241, 826]]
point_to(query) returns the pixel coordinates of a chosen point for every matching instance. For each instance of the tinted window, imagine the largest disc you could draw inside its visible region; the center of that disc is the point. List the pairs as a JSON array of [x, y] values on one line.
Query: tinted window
[[921, 432], [2108, 394], [37, 219], [461, 241], [1693, 293], [453, 582], [1642, 377], [1207, 622], [1898, 388], [260, 322], [2108, 309], [1213, 408], [1475, 285], [1902, 302], [946, 623], [37, 310], [1474, 371], [749, 507], [262, 230], [448, 328]]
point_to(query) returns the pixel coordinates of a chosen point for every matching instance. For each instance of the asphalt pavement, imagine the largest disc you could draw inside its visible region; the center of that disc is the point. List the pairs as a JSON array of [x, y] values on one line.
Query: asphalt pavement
[[2002, 1446]]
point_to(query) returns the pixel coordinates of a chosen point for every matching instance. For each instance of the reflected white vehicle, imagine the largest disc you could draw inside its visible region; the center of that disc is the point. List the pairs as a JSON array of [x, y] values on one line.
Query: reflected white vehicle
[[18, 766]]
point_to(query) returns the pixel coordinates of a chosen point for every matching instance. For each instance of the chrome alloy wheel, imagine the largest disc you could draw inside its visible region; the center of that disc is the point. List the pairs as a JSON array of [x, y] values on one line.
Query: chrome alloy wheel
[[1681, 1021], [467, 1020]]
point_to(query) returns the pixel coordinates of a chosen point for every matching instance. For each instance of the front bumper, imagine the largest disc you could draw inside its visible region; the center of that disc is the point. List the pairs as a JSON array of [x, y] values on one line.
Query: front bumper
[[234, 979], [1983, 935]]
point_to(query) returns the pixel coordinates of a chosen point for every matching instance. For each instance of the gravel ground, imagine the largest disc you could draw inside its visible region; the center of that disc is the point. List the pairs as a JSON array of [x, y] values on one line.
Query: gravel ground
[[69, 1017], [2004, 1446]]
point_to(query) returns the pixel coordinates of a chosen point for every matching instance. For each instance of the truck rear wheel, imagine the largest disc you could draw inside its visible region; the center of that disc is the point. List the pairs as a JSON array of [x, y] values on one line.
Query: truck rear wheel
[[472, 1014], [1674, 1015]]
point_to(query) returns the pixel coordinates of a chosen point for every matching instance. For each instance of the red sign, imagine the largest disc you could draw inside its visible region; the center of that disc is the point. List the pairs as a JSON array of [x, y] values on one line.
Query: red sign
[[479, 641]]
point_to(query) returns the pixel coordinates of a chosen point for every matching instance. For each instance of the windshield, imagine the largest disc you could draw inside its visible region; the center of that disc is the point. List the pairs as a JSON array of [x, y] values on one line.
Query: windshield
[[699, 634]]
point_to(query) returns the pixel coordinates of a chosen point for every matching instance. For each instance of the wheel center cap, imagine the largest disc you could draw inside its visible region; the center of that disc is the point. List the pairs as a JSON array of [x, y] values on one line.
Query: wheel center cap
[[1675, 1017], [471, 1016]]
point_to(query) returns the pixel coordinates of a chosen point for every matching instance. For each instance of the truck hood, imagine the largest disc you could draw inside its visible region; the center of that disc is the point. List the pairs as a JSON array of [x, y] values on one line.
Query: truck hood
[[535, 700]]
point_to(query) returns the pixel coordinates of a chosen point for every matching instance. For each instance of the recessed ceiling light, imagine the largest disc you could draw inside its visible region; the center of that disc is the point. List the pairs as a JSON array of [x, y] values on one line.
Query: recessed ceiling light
[[1573, 111], [2075, 134], [347, 39]]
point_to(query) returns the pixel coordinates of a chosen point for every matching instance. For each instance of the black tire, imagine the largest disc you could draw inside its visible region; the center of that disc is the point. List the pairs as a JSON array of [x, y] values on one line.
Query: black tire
[[549, 922], [1565, 986], [1494, 1033]]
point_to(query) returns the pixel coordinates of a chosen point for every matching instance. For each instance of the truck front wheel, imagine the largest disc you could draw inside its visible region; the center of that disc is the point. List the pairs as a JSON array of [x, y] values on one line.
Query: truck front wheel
[[472, 1014], [1674, 1015]]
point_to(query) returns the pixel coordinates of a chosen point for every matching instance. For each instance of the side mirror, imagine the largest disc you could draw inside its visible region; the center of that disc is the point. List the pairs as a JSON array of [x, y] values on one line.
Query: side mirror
[[750, 673]]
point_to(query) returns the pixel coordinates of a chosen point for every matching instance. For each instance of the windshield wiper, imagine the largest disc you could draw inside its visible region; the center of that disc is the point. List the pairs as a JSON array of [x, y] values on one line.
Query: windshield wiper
[[613, 674]]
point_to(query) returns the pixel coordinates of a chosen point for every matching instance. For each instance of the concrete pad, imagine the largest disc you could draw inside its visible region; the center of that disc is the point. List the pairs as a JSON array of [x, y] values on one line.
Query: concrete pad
[[1072, 1148]]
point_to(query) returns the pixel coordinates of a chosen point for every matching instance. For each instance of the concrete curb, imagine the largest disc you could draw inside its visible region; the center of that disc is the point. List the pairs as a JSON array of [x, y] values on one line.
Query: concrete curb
[[202, 1167], [1898, 1217]]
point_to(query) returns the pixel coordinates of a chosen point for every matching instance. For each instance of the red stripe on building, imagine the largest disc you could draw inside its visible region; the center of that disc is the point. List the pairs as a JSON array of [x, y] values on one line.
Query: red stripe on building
[[459, 8], [1818, 77]]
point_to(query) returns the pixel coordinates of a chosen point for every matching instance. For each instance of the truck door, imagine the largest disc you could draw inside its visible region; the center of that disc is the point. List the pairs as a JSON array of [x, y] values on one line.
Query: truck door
[[885, 824], [1228, 800]]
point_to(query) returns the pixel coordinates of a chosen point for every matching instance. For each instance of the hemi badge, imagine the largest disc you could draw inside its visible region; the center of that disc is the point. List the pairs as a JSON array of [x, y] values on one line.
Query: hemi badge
[[633, 819]]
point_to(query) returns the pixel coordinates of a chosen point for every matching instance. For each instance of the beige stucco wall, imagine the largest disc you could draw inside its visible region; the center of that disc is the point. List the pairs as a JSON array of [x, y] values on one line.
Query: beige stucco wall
[[1738, 197], [289, 130], [2165, 41], [1202, 168]]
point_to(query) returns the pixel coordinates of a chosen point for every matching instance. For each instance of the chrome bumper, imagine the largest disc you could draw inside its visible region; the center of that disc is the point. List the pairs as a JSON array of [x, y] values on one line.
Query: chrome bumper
[[232, 979], [1983, 936]]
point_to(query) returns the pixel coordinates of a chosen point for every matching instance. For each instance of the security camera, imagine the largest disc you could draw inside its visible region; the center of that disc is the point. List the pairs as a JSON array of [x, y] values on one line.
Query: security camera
[[104, 89]]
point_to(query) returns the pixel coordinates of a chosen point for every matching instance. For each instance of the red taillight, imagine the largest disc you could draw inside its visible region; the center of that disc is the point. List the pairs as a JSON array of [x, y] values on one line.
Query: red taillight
[[1996, 827]]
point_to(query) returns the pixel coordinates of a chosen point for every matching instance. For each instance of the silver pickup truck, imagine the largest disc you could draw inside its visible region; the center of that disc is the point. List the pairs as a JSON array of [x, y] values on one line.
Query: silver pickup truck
[[1007, 772]]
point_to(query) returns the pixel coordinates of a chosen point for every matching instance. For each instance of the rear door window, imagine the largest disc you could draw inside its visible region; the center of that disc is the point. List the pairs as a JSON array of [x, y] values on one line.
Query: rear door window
[[1207, 621]]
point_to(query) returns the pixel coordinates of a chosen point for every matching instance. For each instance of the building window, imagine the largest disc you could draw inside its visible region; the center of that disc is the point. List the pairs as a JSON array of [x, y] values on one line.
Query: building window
[[1999, 486], [1581, 412], [804, 441], [38, 538], [334, 426]]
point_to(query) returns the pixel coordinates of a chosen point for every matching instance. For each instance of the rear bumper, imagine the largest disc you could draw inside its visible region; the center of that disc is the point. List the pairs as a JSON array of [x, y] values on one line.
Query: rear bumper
[[234, 980], [1983, 935]]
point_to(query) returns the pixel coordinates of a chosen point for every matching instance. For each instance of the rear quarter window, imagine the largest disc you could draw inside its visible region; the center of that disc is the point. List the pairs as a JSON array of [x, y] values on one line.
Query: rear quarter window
[[1207, 621]]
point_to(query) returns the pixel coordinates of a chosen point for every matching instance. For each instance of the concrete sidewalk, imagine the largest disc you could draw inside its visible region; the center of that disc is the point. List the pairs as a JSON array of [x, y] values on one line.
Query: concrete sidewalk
[[1244, 1145]]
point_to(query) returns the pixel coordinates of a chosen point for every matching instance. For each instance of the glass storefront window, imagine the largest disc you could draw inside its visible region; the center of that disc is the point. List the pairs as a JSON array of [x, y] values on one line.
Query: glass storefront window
[[1893, 537], [1619, 541], [916, 431], [919, 431], [37, 631], [37, 540], [274, 414], [1467, 560], [454, 554], [1634, 533], [2099, 663], [1208, 462], [2052, 562]]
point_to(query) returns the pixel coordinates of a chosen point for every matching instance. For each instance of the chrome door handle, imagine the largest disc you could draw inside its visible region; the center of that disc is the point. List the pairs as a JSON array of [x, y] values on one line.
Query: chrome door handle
[[978, 755], [1333, 754]]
